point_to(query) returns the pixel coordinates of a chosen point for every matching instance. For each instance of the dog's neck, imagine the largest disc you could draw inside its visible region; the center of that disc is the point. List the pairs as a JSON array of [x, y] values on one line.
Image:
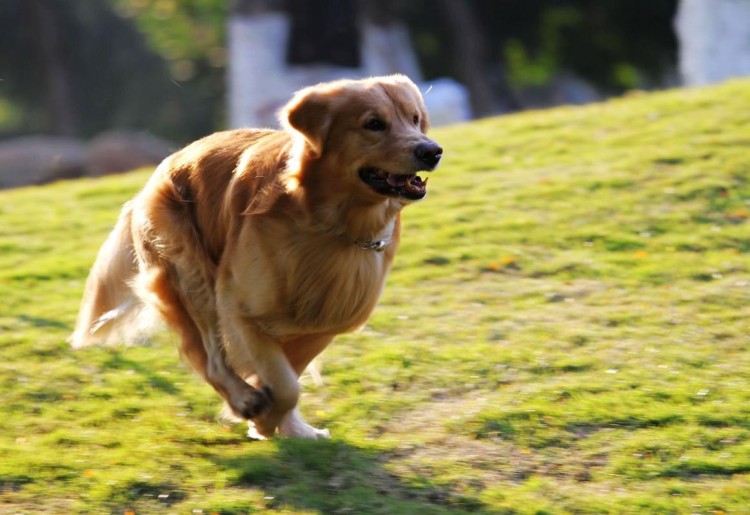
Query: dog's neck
[[374, 221], [381, 240], [368, 225]]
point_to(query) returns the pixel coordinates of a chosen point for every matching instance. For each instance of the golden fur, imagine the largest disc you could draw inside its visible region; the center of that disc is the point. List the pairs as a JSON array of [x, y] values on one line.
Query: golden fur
[[248, 242]]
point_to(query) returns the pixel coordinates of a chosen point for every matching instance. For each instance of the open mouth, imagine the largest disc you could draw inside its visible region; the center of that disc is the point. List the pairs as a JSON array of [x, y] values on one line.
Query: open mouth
[[406, 185]]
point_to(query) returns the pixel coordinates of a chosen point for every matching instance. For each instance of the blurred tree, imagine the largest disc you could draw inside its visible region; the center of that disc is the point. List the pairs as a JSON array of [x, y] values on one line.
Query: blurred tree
[[189, 36], [614, 45], [82, 66], [45, 23]]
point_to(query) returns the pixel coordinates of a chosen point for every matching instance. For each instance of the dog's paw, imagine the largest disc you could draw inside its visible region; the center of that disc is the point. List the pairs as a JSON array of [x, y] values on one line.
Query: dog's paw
[[295, 426], [255, 404], [313, 433], [307, 432], [252, 431]]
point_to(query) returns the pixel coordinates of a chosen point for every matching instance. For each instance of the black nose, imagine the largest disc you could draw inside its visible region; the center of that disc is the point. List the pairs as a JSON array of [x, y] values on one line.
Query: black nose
[[429, 154]]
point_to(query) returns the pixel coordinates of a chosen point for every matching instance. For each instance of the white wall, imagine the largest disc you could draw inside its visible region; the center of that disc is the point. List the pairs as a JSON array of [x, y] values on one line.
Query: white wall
[[714, 40], [260, 81]]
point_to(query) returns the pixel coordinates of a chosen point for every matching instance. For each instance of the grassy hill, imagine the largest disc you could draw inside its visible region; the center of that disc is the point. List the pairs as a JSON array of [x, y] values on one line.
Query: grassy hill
[[566, 329]]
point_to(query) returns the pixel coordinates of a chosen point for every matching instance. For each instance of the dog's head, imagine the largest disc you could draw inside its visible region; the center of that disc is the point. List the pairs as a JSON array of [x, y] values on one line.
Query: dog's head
[[368, 135]]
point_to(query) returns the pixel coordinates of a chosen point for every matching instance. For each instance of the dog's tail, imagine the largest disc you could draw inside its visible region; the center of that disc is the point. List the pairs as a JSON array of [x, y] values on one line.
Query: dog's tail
[[110, 311]]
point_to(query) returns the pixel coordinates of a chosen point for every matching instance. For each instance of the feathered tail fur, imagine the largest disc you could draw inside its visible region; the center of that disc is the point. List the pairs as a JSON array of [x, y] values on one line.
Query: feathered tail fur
[[110, 310]]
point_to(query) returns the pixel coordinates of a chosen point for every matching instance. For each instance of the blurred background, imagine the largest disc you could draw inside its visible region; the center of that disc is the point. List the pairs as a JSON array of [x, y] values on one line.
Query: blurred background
[[98, 86]]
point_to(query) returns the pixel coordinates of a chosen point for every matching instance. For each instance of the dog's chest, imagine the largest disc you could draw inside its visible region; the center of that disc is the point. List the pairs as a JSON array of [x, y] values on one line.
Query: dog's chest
[[335, 291]]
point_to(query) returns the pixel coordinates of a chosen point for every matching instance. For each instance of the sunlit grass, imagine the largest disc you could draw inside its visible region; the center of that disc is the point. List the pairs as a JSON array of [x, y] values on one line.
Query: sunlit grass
[[565, 330]]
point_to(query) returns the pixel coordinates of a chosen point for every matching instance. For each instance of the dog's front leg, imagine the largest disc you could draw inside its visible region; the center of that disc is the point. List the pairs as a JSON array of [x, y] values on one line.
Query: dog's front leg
[[250, 351], [244, 400]]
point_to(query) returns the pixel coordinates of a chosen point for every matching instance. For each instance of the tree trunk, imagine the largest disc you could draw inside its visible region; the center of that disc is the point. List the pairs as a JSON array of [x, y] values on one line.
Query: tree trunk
[[468, 45], [57, 78]]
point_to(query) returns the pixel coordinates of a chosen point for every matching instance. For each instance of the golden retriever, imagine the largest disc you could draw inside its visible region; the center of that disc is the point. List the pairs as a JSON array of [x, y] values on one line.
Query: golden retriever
[[260, 246]]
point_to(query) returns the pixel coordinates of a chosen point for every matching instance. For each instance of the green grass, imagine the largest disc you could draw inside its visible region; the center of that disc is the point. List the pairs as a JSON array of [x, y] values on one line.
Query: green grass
[[565, 330]]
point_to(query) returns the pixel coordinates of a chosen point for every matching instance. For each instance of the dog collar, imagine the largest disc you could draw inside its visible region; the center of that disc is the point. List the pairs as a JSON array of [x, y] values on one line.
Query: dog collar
[[376, 245]]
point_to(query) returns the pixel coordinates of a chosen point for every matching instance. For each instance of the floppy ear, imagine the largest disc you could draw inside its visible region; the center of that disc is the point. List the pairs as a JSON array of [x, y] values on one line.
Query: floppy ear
[[308, 113]]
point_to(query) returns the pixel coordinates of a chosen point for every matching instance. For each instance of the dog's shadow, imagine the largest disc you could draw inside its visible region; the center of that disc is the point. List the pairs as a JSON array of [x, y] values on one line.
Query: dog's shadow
[[332, 476]]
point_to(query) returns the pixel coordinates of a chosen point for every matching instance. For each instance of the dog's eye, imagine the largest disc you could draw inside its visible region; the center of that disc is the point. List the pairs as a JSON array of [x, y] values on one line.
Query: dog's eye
[[416, 119], [375, 125]]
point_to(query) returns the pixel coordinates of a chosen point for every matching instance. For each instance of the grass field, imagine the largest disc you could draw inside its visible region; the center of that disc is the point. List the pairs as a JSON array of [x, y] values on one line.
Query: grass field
[[566, 330]]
